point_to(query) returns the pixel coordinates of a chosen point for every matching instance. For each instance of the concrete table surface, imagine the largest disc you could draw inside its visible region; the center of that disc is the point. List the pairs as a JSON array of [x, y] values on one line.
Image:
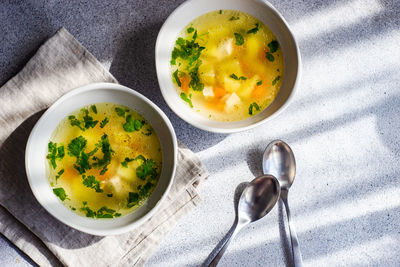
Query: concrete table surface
[[343, 125]]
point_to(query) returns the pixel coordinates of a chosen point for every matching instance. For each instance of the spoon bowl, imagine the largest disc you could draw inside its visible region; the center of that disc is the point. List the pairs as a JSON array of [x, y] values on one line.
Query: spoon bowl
[[278, 160], [256, 200]]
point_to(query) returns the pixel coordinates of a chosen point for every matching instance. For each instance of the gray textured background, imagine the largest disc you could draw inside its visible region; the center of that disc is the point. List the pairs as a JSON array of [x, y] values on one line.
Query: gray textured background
[[343, 126]]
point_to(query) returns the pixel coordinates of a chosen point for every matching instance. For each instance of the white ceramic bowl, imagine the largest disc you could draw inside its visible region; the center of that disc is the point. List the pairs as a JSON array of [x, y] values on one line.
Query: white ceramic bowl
[[36, 151], [263, 11]]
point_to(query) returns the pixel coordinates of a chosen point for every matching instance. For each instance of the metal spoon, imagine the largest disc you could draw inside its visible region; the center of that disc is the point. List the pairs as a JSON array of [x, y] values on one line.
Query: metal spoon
[[278, 160], [256, 200]]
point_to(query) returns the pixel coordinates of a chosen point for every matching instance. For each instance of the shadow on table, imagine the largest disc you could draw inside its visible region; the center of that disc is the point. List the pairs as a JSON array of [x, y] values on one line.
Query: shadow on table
[[17, 198]]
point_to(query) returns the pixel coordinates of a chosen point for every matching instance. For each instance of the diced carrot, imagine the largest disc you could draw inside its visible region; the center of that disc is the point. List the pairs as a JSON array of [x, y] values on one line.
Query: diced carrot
[[259, 91], [216, 104], [184, 83], [219, 92]]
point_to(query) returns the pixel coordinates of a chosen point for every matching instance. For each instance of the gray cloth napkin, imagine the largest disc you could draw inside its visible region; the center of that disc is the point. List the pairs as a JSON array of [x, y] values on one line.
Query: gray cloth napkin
[[60, 65]]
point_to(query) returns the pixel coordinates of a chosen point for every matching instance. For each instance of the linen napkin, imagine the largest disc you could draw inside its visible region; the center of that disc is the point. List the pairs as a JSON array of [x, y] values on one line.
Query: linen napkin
[[60, 65]]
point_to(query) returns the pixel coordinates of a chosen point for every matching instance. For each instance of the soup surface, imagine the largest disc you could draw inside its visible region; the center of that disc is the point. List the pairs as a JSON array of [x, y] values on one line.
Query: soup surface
[[227, 65], [104, 160]]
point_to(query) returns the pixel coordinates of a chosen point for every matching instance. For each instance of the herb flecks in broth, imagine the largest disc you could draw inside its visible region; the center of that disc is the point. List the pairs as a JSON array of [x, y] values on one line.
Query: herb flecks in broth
[[103, 163], [223, 62]]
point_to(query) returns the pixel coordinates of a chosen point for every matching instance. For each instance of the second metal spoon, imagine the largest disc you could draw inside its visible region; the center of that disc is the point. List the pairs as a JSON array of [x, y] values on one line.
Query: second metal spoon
[[278, 160]]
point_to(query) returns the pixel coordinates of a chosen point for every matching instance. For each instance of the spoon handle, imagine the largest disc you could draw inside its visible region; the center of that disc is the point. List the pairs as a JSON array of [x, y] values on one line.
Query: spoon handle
[[297, 259], [220, 249]]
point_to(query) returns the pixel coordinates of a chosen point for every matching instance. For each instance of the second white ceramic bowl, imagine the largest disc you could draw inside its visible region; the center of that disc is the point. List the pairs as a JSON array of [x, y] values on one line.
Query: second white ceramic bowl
[[36, 151], [263, 11]]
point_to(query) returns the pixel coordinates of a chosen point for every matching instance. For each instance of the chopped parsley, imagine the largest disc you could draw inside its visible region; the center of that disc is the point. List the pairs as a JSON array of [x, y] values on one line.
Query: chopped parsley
[[103, 163], [76, 148], [104, 122], [273, 46], [94, 109], [132, 125], [234, 18], [105, 212], [276, 80], [147, 168], [148, 132], [259, 82], [102, 213], [253, 105], [126, 161], [60, 193], [190, 30], [239, 38], [254, 30], [186, 99], [109, 195], [188, 50], [133, 199], [144, 191], [75, 122], [220, 12], [120, 111], [59, 174], [86, 122], [269, 56], [233, 76], [91, 182], [55, 153], [178, 82]]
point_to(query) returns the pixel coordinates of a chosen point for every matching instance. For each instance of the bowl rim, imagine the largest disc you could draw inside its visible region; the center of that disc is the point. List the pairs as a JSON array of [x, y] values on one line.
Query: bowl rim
[[53, 107], [236, 129]]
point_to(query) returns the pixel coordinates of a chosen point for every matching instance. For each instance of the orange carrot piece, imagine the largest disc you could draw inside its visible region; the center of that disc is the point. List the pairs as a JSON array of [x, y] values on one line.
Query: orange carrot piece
[[184, 83]]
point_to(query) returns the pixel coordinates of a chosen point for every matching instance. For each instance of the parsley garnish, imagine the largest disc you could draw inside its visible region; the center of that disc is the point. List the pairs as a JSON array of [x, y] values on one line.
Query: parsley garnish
[[59, 174], [126, 161], [254, 30], [132, 125], [259, 82], [190, 30], [94, 109], [55, 153], [148, 168], [133, 199], [109, 195], [186, 99], [101, 213], [75, 122], [104, 143], [234, 18], [148, 133], [220, 12], [276, 80], [60, 193], [239, 39], [76, 149], [253, 105], [91, 182], [178, 82], [233, 76], [269, 56], [88, 121], [104, 122], [273, 46], [120, 111], [105, 212], [189, 50]]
